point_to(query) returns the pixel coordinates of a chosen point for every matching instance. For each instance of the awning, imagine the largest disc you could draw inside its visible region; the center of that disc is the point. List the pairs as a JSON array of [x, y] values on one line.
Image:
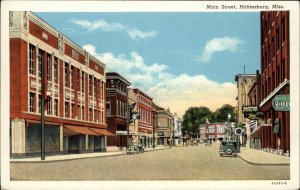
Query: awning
[[74, 130], [256, 133], [101, 131]]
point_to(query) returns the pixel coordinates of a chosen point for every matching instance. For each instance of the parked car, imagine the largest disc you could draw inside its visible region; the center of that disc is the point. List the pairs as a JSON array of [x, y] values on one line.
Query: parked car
[[229, 148], [135, 147]]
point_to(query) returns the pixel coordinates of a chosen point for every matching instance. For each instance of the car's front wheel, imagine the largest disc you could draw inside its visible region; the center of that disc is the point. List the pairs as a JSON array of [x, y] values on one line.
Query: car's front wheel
[[228, 151]]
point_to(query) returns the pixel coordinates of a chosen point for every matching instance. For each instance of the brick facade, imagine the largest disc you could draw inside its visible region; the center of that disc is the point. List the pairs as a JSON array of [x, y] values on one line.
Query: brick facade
[[74, 80]]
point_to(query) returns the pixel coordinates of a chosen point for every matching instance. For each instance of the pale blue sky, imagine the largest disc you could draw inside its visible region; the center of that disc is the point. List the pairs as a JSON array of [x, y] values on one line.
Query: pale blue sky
[[153, 50]]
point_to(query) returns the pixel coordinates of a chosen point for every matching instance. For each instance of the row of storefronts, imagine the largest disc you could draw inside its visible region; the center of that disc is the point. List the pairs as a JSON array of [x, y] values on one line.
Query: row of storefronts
[[86, 109], [264, 97]]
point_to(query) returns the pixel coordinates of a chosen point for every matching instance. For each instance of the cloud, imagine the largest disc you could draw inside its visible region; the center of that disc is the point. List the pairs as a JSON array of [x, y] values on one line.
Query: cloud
[[219, 45], [99, 24], [177, 92], [134, 33]]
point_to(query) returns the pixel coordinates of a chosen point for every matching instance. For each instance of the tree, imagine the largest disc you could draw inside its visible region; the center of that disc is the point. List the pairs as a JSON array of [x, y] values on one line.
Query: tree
[[221, 114], [192, 119]]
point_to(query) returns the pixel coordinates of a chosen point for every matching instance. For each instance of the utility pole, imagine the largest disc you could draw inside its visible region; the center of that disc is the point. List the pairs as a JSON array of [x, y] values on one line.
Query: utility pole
[[42, 112]]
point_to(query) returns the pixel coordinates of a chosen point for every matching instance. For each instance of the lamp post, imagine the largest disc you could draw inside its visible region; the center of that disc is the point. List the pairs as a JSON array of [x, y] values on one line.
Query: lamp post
[[42, 113], [128, 116], [228, 116]]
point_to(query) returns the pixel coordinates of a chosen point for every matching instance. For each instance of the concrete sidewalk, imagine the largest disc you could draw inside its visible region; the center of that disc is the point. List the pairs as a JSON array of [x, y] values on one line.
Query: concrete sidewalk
[[259, 157], [80, 156]]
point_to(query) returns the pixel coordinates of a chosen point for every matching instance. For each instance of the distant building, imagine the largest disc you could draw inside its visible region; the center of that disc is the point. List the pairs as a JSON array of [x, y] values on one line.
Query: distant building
[[212, 132], [75, 109], [116, 89], [177, 133], [145, 123], [164, 132]]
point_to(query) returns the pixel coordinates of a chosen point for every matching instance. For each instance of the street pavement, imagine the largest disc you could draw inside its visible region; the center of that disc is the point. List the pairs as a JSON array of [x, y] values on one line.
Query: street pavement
[[176, 163], [259, 157]]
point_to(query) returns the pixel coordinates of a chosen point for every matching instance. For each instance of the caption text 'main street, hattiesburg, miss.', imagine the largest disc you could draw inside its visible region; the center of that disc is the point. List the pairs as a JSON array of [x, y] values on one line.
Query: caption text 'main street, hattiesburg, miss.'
[[244, 6]]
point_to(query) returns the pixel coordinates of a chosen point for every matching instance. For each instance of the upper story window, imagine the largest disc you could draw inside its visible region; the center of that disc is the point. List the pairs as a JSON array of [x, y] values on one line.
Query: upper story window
[[90, 84], [31, 59], [211, 129], [78, 80], [283, 29], [31, 102], [56, 107], [66, 75], [72, 77], [82, 82], [49, 74], [41, 61], [55, 68], [49, 106]]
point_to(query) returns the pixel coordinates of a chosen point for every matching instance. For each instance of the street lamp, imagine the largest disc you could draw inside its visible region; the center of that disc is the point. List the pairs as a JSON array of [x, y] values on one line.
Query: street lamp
[[228, 116]]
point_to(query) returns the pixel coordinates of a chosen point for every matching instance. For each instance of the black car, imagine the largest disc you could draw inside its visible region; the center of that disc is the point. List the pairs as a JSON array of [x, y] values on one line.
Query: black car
[[135, 148], [229, 148]]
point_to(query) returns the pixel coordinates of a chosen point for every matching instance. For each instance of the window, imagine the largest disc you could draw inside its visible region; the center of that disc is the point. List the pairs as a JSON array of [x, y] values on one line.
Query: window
[[83, 111], [78, 80], [108, 107], [72, 111], [66, 75], [49, 106], [31, 102], [273, 48], [72, 77], [277, 39], [211, 129], [283, 29], [282, 70], [66, 109], [56, 107], [55, 67], [79, 112], [90, 85], [82, 82], [40, 104], [95, 86], [49, 67], [99, 88], [95, 115], [90, 114], [31, 59], [41, 60]]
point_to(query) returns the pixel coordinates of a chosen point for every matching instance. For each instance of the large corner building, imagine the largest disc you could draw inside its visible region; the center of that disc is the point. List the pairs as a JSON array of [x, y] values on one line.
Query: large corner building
[[75, 84]]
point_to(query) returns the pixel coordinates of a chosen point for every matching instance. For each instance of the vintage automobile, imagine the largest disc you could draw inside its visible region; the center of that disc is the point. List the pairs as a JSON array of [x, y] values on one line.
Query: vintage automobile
[[229, 148], [135, 147]]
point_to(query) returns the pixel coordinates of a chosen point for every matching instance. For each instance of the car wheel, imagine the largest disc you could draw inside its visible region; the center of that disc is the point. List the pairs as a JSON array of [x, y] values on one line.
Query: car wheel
[[228, 151]]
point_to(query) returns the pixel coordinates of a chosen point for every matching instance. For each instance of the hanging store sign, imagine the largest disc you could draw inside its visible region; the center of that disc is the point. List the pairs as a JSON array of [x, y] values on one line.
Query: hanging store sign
[[251, 112], [281, 103]]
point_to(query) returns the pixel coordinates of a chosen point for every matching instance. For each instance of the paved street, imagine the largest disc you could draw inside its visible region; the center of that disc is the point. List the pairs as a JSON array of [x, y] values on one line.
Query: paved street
[[178, 163]]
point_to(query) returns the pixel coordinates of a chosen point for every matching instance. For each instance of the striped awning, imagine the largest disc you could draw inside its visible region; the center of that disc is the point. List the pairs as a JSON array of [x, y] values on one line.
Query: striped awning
[[75, 130], [70, 130], [100, 131]]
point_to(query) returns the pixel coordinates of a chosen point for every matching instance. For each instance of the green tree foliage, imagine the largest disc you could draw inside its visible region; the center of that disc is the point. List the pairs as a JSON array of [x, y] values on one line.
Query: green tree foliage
[[221, 114], [195, 116]]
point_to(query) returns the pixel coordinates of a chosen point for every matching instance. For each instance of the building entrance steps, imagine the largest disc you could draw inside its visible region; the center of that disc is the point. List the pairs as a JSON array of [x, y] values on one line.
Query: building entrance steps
[[259, 157]]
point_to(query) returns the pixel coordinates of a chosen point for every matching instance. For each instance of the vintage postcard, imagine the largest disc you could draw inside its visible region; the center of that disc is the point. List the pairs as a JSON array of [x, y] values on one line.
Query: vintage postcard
[[149, 95]]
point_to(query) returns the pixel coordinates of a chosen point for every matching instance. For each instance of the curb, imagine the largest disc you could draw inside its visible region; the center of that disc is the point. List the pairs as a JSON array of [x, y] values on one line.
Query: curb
[[69, 159], [62, 160], [268, 164]]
